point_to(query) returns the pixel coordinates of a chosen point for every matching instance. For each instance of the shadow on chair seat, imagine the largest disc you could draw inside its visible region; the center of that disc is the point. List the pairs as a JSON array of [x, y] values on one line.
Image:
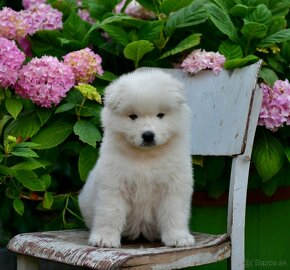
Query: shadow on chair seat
[[71, 247]]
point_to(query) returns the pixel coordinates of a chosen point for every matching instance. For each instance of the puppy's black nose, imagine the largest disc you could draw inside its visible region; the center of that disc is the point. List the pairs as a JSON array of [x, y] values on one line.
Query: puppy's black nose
[[148, 136]]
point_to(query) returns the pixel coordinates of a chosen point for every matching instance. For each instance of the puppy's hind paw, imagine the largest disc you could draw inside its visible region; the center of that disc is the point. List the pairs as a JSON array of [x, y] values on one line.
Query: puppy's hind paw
[[106, 241], [179, 240]]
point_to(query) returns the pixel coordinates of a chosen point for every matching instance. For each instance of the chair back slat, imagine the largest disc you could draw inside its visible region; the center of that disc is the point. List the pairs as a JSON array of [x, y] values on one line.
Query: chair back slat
[[221, 106]]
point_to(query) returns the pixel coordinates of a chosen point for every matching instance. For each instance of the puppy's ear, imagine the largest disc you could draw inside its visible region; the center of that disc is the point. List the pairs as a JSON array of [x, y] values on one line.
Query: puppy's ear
[[113, 95], [177, 88]]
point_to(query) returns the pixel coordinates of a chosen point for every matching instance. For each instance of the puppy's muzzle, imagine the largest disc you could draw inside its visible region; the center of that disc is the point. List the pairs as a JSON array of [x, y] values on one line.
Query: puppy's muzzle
[[148, 138]]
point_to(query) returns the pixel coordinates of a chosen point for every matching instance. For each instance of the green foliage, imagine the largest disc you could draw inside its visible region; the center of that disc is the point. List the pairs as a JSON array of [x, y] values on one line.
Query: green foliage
[[46, 154], [268, 156]]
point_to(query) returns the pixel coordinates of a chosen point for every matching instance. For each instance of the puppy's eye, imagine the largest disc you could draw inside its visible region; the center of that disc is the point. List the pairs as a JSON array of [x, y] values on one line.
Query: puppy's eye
[[133, 116], [160, 115]]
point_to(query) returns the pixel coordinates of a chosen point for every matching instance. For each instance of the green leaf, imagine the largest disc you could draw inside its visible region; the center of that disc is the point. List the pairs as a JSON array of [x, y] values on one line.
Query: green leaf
[[29, 180], [278, 23], [253, 30], [260, 15], [87, 132], [18, 206], [25, 126], [185, 44], [275, 64], [268, 75], [240, 62], [190, 15], [23, 152], [65, 107], [5, 170], [239, 10], [87, 159], [267, 156], [230, 50], [74, 28], [46, 180], [148, 4], [280, 36], [107, 76], [151, 31], [222, 21], [46, 42], [47, 200], [124, 20], [43, 115], [270, 187], [30, 165], [27, 144], [280, 8], [75, 97], [3, 121], [116, 33], [168, 6], [285, 53], [13, 106], [52, 135], [287, 153], [137, 49]]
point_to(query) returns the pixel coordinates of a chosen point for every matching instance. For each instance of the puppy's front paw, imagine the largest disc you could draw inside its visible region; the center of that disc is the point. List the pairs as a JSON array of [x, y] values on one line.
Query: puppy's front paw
[[104, 240], [179, 239]]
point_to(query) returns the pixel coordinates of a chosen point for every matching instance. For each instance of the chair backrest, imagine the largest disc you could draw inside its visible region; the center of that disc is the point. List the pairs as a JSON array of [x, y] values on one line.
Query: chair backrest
[[221, 106]]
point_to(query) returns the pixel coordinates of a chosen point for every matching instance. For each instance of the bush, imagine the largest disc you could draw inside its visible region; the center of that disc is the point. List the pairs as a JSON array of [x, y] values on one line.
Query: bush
[[50, 134]]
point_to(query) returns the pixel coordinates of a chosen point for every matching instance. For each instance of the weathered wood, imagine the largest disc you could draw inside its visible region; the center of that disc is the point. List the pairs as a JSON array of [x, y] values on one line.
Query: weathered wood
[[238, 189], [220, 109], [71, 247], [26, 263]]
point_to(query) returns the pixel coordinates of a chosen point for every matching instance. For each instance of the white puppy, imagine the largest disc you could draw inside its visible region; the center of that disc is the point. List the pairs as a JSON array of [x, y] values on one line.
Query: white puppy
[[142, 182]]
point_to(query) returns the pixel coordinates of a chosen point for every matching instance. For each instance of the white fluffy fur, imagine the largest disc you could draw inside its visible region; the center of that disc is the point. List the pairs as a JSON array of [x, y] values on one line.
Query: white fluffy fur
[[135, 188]]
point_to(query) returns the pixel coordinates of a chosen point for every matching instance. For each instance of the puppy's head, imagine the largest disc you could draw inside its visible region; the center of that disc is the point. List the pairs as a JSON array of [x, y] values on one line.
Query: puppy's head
[[145, 108]]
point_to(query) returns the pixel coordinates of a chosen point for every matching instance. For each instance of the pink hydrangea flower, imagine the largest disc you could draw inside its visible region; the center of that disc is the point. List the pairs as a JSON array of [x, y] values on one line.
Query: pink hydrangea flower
[[45, 81], [85, 15], [13, 25], [275, 109], [135, 10], [42, 17], [200, 59], [11, 59], [85, 65], [29, 3]]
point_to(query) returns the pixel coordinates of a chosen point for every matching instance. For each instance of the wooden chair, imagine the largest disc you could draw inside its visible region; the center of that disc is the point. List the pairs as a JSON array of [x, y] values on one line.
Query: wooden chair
[[225, 110]]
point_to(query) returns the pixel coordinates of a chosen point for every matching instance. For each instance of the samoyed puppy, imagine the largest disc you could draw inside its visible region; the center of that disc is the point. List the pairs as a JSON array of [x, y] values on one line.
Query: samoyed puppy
[[142, 182]]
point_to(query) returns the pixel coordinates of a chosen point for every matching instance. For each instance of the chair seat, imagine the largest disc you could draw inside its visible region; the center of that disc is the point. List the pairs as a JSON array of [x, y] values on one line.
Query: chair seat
[[71, 247]]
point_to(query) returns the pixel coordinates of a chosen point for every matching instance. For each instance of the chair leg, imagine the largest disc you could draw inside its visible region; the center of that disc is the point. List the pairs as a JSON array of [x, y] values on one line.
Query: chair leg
[[237, 210], [26, 263]]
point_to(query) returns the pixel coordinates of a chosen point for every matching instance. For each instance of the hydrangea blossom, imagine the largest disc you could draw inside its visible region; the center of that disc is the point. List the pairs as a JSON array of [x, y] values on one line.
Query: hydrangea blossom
[[29, 3], [11, 59], [89, 91], [42, 17], [275, 110], [85, 65], [45, 81], [200, 59], [135, 10], [85, 15], [13, 25]]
